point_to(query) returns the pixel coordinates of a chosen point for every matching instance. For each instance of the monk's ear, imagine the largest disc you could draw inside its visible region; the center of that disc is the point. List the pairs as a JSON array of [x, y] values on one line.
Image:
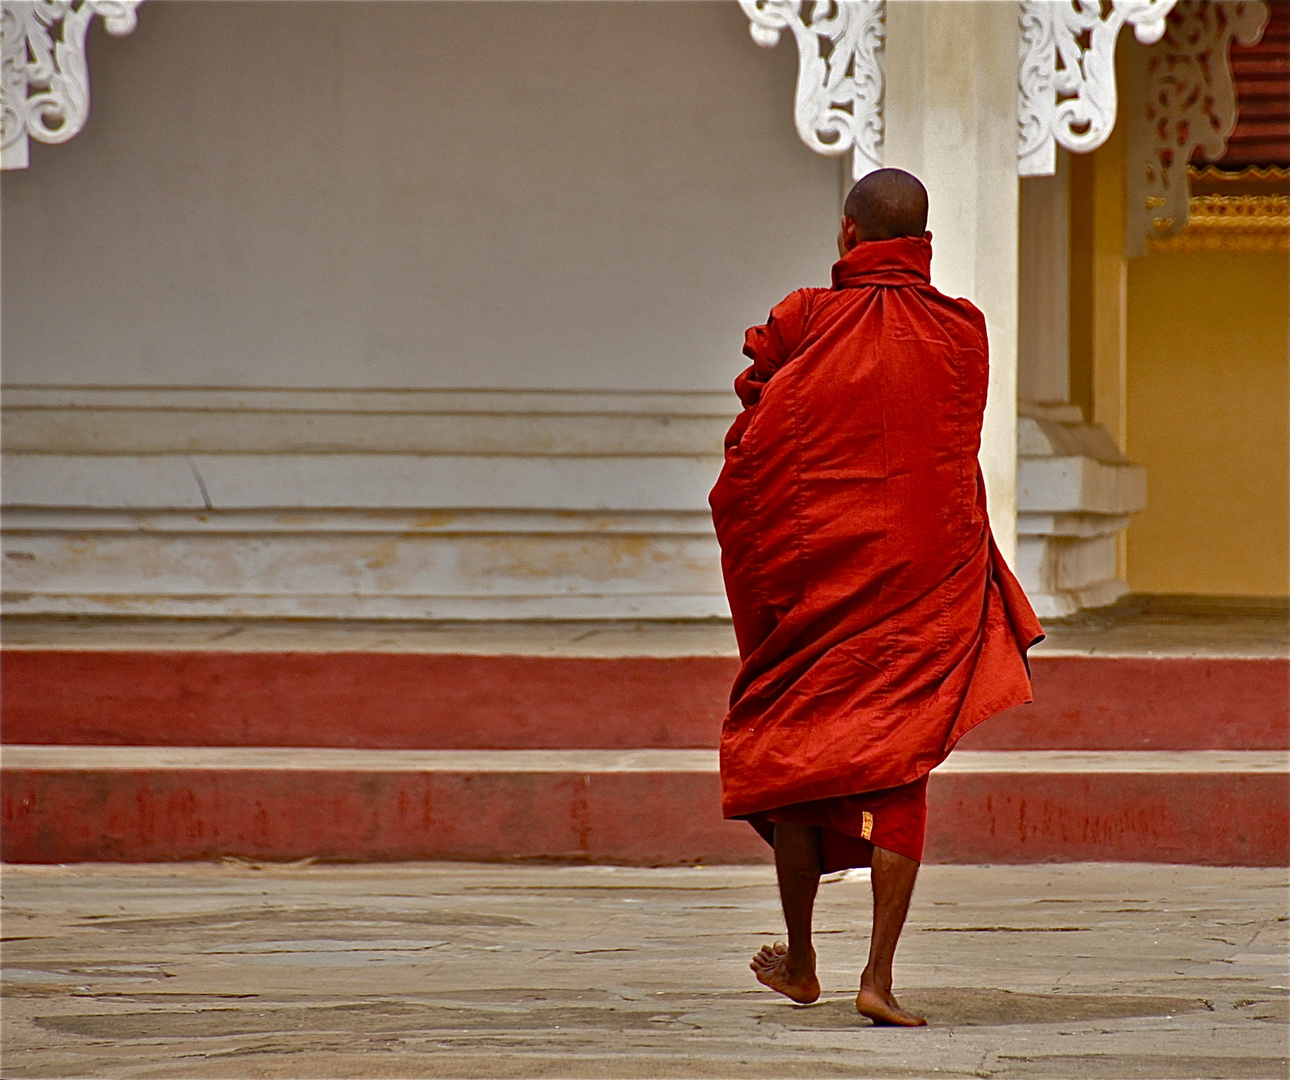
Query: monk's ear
[[848, 236]]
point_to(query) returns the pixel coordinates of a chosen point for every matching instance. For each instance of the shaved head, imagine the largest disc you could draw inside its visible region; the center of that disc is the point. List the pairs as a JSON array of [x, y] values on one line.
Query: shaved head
[[887, 203]]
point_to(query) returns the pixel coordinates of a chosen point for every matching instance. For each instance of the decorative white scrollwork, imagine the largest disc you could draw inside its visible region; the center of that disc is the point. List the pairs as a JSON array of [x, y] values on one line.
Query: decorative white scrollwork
[[1067, 75], [839, 72], [44, 77], [1190, 104]]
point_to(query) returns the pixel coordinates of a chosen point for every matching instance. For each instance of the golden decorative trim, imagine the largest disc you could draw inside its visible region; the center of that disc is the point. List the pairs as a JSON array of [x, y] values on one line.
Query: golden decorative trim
[[1269, 174], [1255, 180], [1248, 223], [866, 825]]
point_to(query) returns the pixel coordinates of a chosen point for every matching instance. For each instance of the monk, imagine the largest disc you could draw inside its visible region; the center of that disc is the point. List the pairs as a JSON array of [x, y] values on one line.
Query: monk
[[876, 621]]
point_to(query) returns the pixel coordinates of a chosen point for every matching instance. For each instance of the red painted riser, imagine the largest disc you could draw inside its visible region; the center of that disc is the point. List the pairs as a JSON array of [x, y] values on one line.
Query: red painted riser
[[1223, 819], [191, 814], [1145, 703], [418, 701], [637, 818], [367, 700]]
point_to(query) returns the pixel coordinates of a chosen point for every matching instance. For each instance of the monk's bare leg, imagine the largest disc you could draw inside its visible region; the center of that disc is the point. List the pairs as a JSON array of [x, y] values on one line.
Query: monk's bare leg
[[893, 887], [790, 968]]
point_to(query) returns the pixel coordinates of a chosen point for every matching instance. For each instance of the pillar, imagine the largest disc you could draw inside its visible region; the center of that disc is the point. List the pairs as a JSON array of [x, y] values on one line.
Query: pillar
[[1099, 292], [950, 116], [1043, 331], [1110, 271]]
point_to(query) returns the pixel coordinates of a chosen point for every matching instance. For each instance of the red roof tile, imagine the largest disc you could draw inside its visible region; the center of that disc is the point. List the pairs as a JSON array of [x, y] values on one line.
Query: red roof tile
[[1262, 72]]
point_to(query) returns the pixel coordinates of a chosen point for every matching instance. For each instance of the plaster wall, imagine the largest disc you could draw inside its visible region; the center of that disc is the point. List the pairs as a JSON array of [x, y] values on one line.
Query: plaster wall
[[422, 195], [409, 310], [1207, 415]]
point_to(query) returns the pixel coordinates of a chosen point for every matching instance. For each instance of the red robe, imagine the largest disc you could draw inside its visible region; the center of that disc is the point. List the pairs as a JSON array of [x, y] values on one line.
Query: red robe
[[876, 621]]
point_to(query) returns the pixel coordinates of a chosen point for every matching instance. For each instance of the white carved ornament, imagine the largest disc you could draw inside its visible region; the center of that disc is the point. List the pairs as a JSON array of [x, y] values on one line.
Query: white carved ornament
[[1067, 73], [839, 72], [1190, 104], [1066, 77], [44, 80]]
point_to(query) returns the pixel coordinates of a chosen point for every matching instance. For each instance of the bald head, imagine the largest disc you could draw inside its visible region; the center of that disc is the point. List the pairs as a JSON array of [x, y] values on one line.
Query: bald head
[[887, 203]]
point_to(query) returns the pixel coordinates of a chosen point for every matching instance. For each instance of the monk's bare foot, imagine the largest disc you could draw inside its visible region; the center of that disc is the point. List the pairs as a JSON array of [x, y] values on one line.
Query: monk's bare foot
[[883, 1009], [771, 966]]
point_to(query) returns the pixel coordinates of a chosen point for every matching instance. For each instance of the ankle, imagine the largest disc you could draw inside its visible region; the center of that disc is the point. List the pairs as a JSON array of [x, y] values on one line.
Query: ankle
[[800, 960], [875, 981]]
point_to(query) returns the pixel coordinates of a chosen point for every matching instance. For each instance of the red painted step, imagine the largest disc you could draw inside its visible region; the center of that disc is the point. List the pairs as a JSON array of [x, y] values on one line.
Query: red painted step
[[437, 701], [65, 807], [373, 700], [1147, 703], [53, 815]]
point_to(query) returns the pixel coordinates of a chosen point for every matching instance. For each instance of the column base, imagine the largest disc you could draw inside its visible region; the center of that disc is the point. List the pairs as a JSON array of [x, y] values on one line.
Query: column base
[[1076, 492]]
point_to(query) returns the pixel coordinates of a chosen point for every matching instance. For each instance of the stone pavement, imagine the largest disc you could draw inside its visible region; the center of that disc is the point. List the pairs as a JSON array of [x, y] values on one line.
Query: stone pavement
[[465, 970]]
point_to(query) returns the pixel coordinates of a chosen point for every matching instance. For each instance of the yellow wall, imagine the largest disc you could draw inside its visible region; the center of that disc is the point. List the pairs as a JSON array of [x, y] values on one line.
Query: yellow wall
[[1207, 415]]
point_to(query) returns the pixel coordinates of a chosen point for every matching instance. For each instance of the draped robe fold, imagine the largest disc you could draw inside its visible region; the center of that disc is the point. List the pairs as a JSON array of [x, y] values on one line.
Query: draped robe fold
[[876, 621]]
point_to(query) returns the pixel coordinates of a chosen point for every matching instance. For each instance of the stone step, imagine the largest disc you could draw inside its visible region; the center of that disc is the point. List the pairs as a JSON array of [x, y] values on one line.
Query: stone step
[[427, 700], [644, 807]]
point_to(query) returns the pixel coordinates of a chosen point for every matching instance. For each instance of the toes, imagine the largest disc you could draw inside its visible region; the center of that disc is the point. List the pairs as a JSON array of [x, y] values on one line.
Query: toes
[[769, 957]]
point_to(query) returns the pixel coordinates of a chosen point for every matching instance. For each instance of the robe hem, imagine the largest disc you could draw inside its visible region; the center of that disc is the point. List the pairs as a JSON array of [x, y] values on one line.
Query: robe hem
[[741, 810]]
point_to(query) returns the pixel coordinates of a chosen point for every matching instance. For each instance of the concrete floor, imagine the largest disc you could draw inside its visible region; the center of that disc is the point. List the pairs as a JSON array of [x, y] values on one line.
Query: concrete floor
[[461, 970]]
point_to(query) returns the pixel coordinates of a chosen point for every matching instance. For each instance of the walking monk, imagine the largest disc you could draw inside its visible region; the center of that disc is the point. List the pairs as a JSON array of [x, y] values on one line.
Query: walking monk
[[876, 621]]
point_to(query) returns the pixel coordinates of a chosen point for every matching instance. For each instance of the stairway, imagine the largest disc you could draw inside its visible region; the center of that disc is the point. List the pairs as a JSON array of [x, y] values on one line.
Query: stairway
[[147, 740]]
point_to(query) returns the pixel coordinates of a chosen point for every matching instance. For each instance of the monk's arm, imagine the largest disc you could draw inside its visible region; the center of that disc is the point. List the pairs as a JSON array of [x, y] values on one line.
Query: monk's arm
[[769, 346]]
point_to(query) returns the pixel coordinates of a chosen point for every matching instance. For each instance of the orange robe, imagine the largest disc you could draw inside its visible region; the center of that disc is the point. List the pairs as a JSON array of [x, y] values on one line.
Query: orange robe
[[876, 621]]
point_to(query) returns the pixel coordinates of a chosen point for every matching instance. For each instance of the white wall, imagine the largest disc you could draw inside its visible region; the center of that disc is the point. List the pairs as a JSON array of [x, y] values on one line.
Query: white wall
[[362, 503], [422, 195], [331, 198]]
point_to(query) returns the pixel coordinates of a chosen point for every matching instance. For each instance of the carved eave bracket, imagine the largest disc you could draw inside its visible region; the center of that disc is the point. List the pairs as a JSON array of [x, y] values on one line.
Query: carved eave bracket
[[1188, 92], [45, 78], [838, 106], [1066, 78]]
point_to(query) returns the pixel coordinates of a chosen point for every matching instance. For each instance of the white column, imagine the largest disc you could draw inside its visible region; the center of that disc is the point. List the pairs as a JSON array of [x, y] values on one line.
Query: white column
[[1044, 287], [951, 119]]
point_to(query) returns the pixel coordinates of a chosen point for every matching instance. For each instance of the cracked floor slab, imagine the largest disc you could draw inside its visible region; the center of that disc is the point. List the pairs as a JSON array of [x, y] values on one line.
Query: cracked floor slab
[[457, 970]]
